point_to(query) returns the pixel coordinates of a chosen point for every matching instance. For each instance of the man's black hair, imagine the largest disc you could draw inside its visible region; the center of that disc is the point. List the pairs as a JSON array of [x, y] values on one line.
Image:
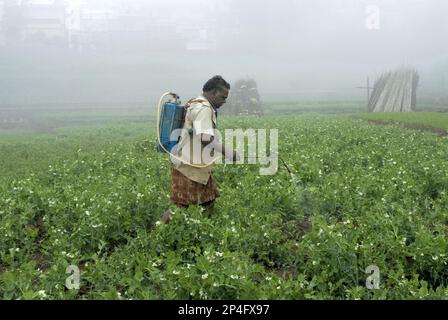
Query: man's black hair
[[217, 82]]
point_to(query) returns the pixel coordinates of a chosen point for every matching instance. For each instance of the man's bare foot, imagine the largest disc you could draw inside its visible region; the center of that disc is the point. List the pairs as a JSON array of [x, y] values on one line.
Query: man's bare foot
[[167, 216]]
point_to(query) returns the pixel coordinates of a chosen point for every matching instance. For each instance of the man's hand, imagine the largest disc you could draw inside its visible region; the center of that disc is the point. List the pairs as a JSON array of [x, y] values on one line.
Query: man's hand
[[228, 154]]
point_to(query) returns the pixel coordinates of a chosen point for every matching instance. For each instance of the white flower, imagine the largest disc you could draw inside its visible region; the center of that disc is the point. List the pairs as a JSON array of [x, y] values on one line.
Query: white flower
[[202, 294], [218, 254], [268, 278], [234, 276], [87, 213], [205, 276], [403, 241], [158, 223], [42, 294], [68, 255], [176, 272]]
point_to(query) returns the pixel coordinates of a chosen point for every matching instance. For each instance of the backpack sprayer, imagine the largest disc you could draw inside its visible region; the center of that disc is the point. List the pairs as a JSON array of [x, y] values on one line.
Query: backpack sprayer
[[170, 117]]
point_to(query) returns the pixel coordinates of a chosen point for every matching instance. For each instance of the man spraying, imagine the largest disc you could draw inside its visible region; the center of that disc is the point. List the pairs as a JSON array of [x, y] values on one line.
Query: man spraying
[[192, 182]]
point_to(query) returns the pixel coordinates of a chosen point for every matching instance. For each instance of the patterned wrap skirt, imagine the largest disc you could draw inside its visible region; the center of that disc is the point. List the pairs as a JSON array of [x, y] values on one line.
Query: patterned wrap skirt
[[186, 192]]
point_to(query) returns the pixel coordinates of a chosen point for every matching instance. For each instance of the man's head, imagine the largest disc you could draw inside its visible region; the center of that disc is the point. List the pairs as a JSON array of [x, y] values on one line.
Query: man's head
[[216, 91]]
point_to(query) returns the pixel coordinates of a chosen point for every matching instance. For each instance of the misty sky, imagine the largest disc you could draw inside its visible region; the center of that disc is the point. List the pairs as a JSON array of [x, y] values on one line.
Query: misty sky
[[293, 48]]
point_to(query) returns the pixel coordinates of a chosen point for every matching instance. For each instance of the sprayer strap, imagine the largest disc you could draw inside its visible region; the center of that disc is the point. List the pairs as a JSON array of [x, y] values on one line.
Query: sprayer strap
[[195, 100]]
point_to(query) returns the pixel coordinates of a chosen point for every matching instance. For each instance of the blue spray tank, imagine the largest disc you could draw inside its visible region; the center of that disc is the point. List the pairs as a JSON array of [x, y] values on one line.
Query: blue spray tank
[[170, 116]]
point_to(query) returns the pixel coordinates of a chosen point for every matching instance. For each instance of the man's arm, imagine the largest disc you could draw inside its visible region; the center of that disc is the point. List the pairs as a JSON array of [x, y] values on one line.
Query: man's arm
[[214, 144]]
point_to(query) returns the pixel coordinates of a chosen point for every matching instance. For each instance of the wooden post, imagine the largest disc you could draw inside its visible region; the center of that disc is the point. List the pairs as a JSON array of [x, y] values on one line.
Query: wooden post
[[368, 91]]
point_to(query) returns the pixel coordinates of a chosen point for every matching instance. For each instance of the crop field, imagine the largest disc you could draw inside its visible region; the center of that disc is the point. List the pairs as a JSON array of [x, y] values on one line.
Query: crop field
[[349, 194], [430, 121]]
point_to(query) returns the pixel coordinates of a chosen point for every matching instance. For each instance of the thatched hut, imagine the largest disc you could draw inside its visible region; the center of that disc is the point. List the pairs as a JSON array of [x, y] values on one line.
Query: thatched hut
[[395, 91]]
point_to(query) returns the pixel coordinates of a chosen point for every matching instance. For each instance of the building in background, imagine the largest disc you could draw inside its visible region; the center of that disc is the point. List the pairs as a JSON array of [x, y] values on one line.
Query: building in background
[[33, 22], [82, 25], [44, 22]]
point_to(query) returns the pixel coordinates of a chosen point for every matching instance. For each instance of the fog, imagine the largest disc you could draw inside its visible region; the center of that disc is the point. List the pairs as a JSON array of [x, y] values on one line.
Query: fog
[[127, 52]]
